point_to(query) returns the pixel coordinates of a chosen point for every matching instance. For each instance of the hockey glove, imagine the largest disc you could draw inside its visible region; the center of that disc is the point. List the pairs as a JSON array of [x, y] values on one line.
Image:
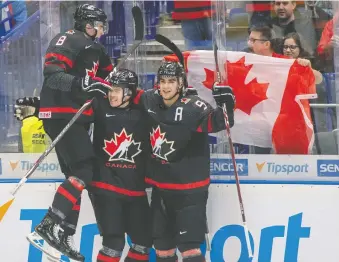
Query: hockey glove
[[224, 95], [191, 91], [26, 107], [94, 84]]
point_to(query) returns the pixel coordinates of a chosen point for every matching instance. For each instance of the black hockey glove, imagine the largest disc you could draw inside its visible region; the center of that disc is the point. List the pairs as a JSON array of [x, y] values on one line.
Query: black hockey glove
[[224, 95], [191, 91], [95, 84], [26, 107]]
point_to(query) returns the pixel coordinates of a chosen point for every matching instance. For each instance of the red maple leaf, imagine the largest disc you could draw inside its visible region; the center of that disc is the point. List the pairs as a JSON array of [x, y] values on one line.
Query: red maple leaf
[[92, 73], [247, 95], [208, 83], [155, 135], [112, 145]]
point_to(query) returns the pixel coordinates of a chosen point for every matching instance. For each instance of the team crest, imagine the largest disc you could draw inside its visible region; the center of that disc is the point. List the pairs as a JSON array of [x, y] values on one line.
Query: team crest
[[92, 73], [160, 146], [122, 147]]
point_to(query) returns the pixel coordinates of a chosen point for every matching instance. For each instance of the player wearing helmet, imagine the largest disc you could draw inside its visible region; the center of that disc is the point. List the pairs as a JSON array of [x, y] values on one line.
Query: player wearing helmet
[[121, 144], [178, 126], [74, 68], [121, 147]]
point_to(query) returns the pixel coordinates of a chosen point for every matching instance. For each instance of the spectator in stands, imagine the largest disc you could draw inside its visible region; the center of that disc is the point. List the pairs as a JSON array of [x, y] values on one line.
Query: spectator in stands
[[328, 41], [12, 14], [318, 16], [260, 41], [196, 23], [289, 20], [293, 48], [261, 13]]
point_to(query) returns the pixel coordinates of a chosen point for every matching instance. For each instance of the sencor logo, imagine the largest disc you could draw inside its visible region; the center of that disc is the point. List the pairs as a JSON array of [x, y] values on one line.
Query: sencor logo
[[224, 167], [328, 167]]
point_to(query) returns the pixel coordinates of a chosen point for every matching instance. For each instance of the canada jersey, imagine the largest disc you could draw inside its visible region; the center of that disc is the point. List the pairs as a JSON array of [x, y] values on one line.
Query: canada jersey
[[70, 55], [179, 141], [121, 145]]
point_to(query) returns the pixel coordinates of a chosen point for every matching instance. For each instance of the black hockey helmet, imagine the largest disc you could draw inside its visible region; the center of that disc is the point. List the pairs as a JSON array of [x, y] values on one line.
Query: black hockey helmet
[[173, 69], [89, 14], [126, 79]]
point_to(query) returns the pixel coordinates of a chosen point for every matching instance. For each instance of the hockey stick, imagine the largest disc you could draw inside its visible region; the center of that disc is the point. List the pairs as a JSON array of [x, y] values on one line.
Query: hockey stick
[[139, 32], [138, 38], [5, 207], [228, 132], [170, 45]]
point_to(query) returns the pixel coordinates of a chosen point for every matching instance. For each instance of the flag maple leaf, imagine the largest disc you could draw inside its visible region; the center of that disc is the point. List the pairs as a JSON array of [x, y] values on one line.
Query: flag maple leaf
[[247, 95]]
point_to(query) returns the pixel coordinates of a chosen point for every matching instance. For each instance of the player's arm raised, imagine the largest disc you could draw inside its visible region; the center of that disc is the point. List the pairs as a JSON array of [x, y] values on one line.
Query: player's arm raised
[[60, 61], [212, 120]]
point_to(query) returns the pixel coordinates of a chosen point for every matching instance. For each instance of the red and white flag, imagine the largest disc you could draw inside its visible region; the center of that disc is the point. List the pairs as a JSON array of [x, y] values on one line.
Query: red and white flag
[[272, 108]]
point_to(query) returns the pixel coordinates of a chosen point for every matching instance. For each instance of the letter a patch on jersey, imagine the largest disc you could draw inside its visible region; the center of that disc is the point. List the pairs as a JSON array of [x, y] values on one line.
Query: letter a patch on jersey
[[122, 147], [160, 146]]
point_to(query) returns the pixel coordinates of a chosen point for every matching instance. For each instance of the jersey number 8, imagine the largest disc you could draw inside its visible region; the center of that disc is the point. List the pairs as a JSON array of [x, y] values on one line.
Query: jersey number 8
[[61, 40]]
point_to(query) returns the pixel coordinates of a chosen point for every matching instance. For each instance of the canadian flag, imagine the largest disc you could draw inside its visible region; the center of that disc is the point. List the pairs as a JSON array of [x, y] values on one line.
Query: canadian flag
[[272, 108]]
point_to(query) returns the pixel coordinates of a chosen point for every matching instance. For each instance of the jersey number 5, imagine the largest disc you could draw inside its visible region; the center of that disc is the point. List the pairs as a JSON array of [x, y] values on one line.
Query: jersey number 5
[[61, 40]]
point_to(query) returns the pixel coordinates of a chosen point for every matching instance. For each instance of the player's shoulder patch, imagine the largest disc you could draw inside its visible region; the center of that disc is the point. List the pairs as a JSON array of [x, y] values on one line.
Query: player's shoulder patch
[[185, 100]]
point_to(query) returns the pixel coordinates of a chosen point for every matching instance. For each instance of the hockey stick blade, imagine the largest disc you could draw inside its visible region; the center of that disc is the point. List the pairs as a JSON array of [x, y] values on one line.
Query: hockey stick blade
[[4, 207], [138, 38], [170, 45], [138, 23]]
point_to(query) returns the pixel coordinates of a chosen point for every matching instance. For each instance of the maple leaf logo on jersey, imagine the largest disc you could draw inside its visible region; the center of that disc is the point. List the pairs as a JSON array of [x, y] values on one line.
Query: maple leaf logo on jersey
[[122, 147], [92, 73], [160, 146]]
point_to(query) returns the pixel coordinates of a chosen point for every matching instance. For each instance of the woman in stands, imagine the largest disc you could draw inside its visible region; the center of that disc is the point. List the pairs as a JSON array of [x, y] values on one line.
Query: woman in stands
[[293, 48]]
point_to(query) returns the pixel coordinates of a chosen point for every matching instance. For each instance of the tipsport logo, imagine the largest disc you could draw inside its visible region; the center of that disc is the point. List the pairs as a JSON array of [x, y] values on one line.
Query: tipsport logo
[[281, 169], [25, 165]]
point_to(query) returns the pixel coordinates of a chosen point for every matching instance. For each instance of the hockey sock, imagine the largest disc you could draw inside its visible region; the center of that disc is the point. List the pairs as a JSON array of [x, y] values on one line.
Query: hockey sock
[[70, 223], [137, 253], [65, 198], [166, 255], [193, 255], [108, 255], [167, 259]]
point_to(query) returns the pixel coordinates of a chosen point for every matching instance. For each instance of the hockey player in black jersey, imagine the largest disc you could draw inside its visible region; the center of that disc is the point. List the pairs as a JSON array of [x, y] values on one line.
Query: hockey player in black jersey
[[121, 145], [122, 150], [74, 69], [180, 171]]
